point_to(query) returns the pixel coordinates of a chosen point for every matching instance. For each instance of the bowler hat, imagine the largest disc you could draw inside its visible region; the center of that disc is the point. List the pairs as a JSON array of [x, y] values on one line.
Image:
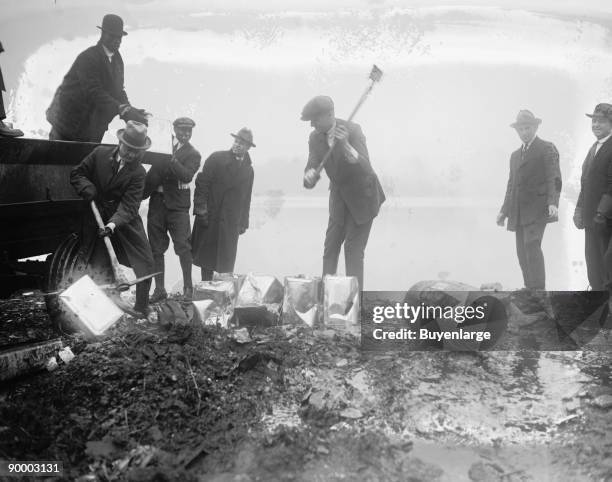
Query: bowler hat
[[134, 135], [602, 110], [112, 24], [321, 104], [184, 122], [245, 135], [525, 117]]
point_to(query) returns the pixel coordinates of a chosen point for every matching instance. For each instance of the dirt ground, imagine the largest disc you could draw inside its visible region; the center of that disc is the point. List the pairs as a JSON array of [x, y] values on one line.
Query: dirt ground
[[192, 403]]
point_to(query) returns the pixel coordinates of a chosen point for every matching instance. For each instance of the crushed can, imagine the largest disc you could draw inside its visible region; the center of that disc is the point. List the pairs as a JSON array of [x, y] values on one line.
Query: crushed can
[[341, 304], [301, 301]]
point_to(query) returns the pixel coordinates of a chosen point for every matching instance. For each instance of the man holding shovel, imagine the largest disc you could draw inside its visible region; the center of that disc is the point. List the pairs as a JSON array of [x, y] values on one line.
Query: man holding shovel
[[114, 178], [355, 193]]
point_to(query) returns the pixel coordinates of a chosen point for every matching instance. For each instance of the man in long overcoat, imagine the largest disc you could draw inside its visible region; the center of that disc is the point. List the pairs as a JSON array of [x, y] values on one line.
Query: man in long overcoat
[[532, 197], [594, 207], [92, 92], [167, 185], [114, 178], [221, 204], [355, 194]]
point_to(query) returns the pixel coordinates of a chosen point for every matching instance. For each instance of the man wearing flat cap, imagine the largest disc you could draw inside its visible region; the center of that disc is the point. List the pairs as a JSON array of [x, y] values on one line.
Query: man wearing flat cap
[[594, 206], [92, 92], [167, 185], [355, 193], [532, 197], [221, 204], [114, 178]]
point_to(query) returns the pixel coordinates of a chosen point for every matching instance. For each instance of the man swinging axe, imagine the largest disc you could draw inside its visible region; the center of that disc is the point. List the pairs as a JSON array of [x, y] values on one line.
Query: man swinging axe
[[355, 194]]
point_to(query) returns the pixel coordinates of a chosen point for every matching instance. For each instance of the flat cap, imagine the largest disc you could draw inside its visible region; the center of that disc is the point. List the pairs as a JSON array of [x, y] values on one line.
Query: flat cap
[[602, 110], [525, 118], [321, 104], [184, 122]]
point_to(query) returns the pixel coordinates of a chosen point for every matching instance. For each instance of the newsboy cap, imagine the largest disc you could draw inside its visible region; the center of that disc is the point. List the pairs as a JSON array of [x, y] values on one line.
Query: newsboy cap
[[113, 24], [525, 118], [184, 122], [321, 104], [602, 110]]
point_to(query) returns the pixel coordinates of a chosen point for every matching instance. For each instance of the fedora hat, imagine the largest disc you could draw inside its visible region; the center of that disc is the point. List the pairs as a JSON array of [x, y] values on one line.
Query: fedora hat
[[245, 135], [602, 110], [134, 135], [113, 24], [525, 117]]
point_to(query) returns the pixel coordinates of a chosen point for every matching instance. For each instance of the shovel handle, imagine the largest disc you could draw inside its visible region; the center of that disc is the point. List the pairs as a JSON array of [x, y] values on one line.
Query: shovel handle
[[119, 278]]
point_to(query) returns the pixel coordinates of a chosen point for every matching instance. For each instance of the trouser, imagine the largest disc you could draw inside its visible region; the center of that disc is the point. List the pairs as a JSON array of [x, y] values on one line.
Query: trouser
[[598, 256], [2, 111], [355, 237], [160, 222], [530, 256], [207, 274]]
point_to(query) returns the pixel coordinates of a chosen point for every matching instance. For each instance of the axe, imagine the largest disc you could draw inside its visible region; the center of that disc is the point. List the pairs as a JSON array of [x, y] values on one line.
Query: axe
[[375, 76]]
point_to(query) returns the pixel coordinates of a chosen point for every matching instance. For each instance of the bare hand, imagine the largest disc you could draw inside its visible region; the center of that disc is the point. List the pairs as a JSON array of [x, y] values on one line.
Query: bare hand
[[578, 222], [501, 218], [341, 134], [310, 178]]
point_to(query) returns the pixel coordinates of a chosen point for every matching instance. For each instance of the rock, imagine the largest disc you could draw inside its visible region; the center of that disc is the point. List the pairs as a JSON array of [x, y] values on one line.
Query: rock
[[342, 363], [352, 413], [322, 450], [603, 401], [241, 336], [66, 355]]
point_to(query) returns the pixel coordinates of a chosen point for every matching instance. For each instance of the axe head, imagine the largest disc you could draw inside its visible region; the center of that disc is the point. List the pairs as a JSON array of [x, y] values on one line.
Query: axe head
[[375, 74]]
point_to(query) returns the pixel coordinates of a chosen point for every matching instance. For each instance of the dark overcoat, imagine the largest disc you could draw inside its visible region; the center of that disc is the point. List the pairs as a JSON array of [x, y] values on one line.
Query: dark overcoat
[[174, 176], [223, 188], [596, 180], [534, 184], [355, 186], [118, 197], [2, 87], [89, 96]]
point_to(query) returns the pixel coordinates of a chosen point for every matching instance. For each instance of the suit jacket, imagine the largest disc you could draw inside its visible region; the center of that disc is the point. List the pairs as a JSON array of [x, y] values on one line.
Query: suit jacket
[[595, 183], [89, 96], [534, 184], [118, 198], [174, 176], [352, 186]]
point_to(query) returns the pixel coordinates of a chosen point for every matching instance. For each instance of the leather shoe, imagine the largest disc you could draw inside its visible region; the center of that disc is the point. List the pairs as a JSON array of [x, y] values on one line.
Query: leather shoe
[[158, 296], [188, 293], [8, 131]]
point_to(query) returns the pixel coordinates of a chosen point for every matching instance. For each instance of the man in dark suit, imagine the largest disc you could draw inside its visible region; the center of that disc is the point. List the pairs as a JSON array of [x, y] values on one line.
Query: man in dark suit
[[92, 92], [594, 207], [168, 186], [532, 197], [114, 178], [221, 204], [4, 129], [355, 193]]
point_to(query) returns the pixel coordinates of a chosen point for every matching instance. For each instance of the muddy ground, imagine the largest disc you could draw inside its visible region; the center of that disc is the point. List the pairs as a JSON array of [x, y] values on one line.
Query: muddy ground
[[186, 402]]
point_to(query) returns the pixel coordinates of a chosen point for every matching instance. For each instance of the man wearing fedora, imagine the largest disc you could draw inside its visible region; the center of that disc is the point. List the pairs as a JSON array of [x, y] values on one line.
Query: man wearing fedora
[[170, 199], [355, 194], [532, 197], [5, 130], [114, 178], [221, 204], [594, 206], [92, 92]]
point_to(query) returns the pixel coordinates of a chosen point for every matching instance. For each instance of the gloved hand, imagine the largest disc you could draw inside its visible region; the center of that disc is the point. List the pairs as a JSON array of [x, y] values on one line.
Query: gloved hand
[[132, 113], [88, 193], [578, 221], [202, 220], [501, 219]]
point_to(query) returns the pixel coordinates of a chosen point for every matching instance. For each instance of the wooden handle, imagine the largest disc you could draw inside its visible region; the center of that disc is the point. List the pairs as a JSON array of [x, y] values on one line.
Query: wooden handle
[[119, 278]]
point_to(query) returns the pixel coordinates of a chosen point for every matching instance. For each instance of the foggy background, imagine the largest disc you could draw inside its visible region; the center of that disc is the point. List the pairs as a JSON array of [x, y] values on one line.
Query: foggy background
[[437, 126]]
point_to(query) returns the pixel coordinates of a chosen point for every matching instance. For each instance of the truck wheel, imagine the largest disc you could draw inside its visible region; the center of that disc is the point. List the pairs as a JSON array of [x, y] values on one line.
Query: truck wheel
[[65, 268]]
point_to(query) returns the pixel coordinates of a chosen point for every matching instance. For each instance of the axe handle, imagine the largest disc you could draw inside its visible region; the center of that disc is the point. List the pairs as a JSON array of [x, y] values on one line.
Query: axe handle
[[327, 155], [119, 278]]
